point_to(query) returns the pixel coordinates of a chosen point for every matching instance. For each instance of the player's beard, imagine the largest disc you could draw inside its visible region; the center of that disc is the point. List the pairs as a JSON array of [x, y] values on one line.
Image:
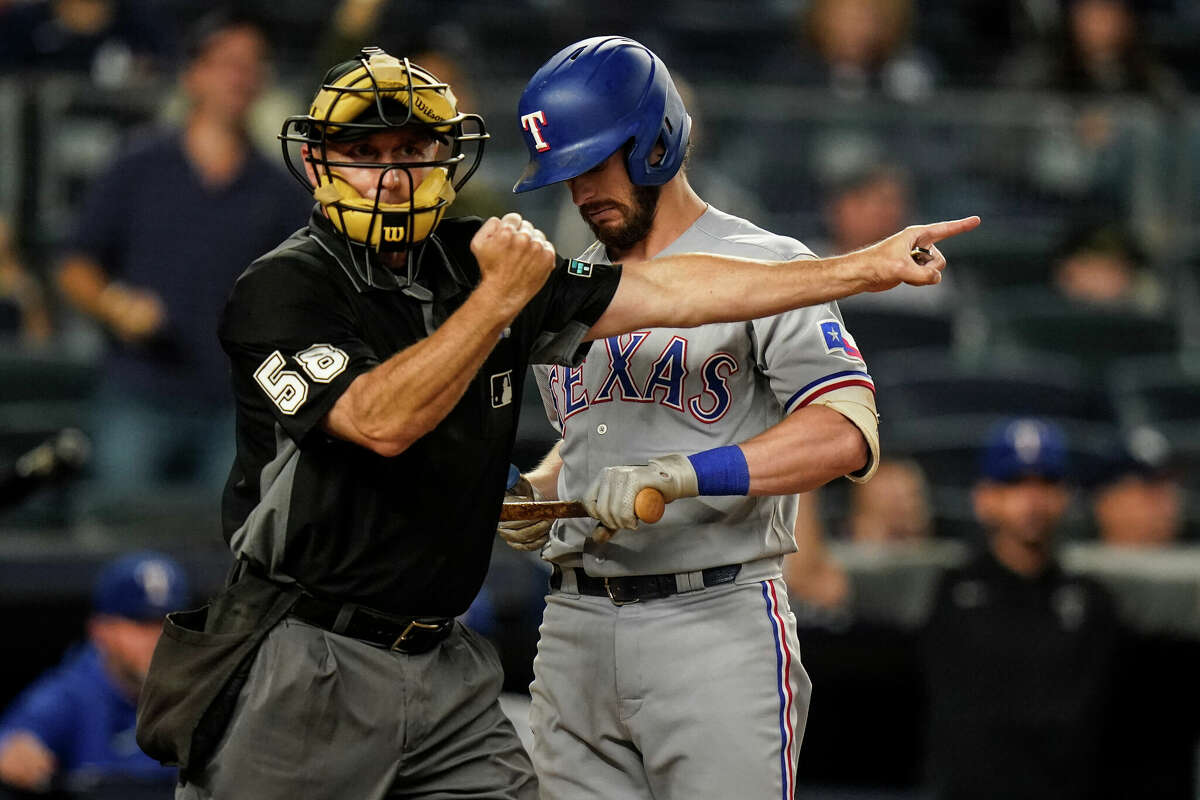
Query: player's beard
[[636, 219]]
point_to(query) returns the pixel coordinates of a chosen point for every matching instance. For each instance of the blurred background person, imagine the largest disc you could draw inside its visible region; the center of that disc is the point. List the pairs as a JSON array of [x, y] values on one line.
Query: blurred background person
[[24, 314], [1103, 265], [813, 576], [1138, 501], [858, 49], [74, 727], [893, 506], [1102, 50], [114, 42], [154, 266], [1019, 657], [858, 203]]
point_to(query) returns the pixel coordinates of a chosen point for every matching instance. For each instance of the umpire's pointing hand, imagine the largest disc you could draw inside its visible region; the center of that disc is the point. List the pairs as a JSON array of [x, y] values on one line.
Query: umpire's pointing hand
[[910, 256]]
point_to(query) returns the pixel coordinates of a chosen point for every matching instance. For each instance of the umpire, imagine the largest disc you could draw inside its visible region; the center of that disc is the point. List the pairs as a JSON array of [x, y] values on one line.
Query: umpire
[[351, 677], [377, 365]]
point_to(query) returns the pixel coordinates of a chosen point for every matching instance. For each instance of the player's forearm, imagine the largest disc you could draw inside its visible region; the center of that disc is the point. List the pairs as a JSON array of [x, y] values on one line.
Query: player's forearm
[[405, 397], [544, 476], [811, 447]]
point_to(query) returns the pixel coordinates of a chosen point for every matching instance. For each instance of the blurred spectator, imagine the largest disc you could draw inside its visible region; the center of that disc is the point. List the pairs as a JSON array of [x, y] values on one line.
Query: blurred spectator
[[1138, 501], [1019, 657], [893, 506], [863, 199], [112, 41], [972, 37], [479, 197], [154, 266], [856, 49], [75, 724], [23, 311], [1103, 52], [1109, 152], [812, 575], [1103, 265]]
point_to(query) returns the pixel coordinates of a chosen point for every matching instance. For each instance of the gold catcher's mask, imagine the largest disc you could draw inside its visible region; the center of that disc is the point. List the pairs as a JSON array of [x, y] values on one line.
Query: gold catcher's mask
[[371, 93]]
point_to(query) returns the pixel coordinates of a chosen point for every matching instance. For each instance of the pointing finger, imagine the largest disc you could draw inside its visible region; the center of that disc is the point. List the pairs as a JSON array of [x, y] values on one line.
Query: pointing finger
[[937, 231]]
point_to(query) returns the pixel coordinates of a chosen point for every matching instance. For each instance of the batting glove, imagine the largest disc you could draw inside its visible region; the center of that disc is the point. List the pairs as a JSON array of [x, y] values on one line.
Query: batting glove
[[524, 534], [610, 497]]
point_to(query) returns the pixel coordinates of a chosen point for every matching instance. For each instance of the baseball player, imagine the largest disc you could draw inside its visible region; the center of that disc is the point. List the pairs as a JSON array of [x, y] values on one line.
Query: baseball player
[[668, 665], [375, 357]]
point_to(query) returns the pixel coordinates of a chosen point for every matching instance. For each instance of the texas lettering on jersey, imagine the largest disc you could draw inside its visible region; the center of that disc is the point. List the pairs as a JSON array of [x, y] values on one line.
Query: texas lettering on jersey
[[666, 382]]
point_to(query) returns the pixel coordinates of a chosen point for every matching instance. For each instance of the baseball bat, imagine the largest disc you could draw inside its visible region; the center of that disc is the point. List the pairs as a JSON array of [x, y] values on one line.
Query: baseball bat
[[648, 505]]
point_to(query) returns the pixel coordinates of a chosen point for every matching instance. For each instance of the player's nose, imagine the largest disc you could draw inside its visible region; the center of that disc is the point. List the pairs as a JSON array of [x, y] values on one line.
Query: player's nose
[[581, 188]]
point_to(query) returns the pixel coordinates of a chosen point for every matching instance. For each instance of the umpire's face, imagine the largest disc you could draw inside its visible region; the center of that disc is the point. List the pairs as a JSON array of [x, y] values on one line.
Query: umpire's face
[[375, 165]]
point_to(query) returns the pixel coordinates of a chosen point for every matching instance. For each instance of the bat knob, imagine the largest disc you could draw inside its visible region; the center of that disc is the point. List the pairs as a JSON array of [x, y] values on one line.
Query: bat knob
[[649, 505]]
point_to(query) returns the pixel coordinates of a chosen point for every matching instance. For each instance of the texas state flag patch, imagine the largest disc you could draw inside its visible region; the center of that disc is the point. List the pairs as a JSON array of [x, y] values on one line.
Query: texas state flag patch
[[837, 341]]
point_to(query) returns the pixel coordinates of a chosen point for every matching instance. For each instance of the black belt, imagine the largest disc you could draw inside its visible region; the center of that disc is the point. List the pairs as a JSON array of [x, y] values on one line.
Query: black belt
[[633, 588], [404, 634]]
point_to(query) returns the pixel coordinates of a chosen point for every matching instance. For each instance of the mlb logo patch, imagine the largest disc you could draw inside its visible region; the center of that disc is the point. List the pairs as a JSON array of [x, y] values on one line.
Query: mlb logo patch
[[502, 389], [837, 341], [580, 269]]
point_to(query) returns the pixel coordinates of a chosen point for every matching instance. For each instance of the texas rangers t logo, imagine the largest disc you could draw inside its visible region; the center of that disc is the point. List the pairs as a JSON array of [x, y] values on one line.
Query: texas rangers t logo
[[529, 122]]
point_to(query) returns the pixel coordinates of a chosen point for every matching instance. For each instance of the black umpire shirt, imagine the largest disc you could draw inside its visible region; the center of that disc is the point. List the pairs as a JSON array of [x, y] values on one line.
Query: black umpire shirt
[[1020, 675], [408, 535]]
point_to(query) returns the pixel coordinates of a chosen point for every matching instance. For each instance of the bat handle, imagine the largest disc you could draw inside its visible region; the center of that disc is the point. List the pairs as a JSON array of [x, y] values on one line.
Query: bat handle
[[649, 505]]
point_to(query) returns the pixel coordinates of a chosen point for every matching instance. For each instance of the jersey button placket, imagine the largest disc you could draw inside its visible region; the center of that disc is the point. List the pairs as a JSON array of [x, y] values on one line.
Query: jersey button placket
[[601, 429]]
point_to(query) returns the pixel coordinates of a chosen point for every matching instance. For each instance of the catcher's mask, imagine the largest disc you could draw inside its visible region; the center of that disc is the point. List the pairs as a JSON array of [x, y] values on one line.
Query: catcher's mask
[[371, 93], [590, 100]]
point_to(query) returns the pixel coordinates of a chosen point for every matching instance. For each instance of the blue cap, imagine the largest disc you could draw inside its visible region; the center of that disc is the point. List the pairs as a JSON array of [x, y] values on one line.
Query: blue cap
[[1025, 448], [141, 586]]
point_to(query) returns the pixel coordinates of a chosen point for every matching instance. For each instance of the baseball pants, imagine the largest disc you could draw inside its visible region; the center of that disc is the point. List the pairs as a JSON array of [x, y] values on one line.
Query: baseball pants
[[324, 716], [700, 694]]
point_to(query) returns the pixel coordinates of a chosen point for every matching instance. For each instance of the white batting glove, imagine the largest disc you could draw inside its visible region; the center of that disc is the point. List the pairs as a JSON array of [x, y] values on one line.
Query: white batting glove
[[524, 534], [611, 495]]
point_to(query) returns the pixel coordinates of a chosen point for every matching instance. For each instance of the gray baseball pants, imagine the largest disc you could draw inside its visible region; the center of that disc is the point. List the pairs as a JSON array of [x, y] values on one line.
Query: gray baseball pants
[[700, 694], [325, 717]]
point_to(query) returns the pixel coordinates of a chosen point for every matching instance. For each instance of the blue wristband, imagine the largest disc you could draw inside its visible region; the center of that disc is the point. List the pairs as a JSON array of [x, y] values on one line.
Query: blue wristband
[[514, 475], [722, 470]]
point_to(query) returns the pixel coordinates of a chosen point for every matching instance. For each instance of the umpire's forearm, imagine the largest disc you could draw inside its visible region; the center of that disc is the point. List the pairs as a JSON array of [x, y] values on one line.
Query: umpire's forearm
[[684, 291], [405, 397]]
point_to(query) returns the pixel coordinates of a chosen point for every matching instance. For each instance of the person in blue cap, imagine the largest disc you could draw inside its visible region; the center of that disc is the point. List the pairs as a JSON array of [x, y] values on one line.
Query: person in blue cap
[[1019, 656], [74, 725]]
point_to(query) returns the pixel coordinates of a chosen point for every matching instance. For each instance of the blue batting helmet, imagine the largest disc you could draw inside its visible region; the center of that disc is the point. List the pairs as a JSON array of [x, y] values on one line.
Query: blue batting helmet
[[590, 99]]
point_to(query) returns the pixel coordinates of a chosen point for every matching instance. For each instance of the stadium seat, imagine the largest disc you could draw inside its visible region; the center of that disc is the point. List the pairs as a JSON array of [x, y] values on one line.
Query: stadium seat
[[877, 329], [1041, 322], [1162, 393], [916, 384]]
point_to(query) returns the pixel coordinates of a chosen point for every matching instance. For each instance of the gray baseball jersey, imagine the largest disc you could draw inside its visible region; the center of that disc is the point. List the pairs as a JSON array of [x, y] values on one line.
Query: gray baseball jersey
[[675, 390]]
